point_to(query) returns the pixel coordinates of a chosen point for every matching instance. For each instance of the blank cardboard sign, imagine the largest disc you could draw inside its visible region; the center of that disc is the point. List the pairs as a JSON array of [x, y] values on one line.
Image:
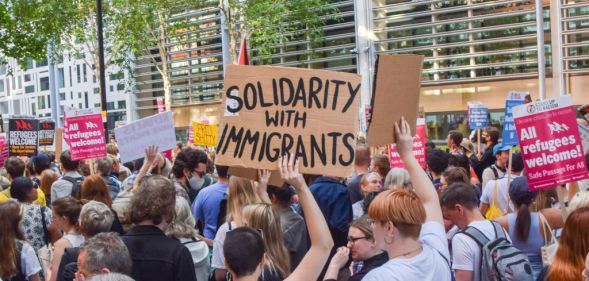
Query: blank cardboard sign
[[271, 111], [397, 84]]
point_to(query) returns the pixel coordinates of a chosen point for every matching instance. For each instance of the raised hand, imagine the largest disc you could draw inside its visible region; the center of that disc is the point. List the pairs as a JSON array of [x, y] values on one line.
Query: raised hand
[[403, 138], [289, 171]]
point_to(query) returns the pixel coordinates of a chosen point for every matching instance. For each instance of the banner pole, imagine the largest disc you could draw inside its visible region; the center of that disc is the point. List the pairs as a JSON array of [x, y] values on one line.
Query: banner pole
[[479, 143], [509, 163]]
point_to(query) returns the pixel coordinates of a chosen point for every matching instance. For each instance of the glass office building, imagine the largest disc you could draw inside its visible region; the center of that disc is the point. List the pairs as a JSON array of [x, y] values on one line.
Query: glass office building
[[475, 50]]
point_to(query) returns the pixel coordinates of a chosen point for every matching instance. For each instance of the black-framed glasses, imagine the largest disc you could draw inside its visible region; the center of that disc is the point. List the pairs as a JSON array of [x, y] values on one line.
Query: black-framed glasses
[[353, 240]]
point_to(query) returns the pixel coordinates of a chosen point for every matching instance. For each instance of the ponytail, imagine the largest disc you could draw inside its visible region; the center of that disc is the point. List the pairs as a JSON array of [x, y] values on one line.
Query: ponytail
[[522, 223]]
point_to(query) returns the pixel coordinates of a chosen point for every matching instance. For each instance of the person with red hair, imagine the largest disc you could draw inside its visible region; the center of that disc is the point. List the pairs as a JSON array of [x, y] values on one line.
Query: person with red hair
[[573, 246]]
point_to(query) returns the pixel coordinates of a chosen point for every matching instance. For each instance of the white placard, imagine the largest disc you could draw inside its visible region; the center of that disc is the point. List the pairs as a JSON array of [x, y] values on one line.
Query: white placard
[[135, 137]]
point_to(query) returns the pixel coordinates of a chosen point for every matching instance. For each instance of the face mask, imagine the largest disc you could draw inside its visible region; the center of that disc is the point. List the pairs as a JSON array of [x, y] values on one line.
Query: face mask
[[195, 182]]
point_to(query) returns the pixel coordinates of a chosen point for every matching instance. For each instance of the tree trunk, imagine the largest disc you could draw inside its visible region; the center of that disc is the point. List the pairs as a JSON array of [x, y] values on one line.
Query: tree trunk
[[164, 70]]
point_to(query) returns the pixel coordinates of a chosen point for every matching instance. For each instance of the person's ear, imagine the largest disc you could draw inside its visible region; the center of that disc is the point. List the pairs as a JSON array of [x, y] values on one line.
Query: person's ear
[[104, 270], [390, 227], [186, 172]]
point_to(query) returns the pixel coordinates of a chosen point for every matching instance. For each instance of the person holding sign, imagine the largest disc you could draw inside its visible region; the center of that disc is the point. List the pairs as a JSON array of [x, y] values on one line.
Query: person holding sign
[[244, 247], [409, 226]]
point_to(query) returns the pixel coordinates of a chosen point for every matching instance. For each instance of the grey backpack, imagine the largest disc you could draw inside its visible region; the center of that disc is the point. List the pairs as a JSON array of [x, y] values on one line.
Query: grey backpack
[[500, 260]]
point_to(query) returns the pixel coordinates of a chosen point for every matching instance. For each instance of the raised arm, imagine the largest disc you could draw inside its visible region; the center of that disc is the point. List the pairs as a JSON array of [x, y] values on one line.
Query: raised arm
[[424, 188], [262, 185], [321, 242], [148, 164]]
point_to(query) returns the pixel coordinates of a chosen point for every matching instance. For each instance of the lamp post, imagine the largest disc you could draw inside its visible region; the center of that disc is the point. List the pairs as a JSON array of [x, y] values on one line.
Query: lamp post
[[101, 79]]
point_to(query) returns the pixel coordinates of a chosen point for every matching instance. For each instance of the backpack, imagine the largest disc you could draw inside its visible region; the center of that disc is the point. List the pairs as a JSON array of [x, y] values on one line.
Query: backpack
[[76, 185], [500, 260], [200, 258]]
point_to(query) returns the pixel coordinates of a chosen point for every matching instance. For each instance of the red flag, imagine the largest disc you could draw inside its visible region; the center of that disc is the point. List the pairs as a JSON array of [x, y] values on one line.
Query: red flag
[[243, 57]]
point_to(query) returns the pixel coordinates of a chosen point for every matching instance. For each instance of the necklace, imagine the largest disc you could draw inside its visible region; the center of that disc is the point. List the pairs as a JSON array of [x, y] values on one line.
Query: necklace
[[408, 253]]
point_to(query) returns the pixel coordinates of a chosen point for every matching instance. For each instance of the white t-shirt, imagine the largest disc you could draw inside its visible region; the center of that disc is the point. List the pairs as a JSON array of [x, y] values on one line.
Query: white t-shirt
[[502, 193], [218, 260], [29, 261], [428, 265], [466, 253]]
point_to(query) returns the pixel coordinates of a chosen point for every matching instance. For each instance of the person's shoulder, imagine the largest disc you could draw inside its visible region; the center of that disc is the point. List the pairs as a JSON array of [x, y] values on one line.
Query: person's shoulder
[[385, 272]]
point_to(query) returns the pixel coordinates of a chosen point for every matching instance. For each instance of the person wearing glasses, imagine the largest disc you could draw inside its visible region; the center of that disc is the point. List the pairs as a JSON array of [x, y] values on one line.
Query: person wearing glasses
[[362, 247]]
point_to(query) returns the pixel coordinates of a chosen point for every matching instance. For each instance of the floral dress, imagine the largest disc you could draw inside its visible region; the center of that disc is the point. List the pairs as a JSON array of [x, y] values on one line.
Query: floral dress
[[33, 224]]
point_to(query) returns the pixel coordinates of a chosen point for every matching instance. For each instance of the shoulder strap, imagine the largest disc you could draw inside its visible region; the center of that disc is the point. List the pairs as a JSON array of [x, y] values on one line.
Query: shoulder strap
[[192, 240], [476, 235], [495, 190], [499, 233], [44, 223], [494, 169]]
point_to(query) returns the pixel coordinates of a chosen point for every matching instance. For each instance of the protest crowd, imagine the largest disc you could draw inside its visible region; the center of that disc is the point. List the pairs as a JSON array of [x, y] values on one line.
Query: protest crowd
[[468, 211]]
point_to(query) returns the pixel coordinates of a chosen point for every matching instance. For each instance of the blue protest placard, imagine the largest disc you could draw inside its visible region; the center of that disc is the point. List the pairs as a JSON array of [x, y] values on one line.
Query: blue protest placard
[[478, 116], [509, 133]]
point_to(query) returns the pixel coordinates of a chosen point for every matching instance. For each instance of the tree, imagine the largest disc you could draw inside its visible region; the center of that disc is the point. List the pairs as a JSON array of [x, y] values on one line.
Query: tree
[[82, 35], [27, 27], [152, 27], [272, 23]]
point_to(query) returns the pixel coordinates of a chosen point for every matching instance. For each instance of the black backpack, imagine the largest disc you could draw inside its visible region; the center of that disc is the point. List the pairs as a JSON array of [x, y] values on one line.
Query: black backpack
[[76, 185]]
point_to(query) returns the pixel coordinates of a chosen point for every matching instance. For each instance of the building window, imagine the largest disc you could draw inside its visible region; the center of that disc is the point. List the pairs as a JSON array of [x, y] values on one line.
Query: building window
[[48, 102], [60, 78], [29, 64], [79, 95], [41, 102], [112, 88], [86, 99], [80, 105], [115, 76], [33, 109], [1, 85], [44, 83], [110, 105], [29, 89], [122, 104], [20, 82], [120, 87], [97, 90], [71, 81], [78, 74], [27, 77], [42, 63], [85, 74], [61, 96]]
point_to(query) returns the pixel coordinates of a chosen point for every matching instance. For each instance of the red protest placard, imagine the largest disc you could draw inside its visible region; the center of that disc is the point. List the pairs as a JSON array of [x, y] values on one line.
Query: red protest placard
[[550, 142], [3, 150], [85, 134], [418, 147]]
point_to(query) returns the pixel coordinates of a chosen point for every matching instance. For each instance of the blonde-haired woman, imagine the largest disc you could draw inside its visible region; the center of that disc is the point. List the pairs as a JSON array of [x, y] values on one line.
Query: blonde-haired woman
[[267, 219], [182, 229], [371, 182], [240, 193]]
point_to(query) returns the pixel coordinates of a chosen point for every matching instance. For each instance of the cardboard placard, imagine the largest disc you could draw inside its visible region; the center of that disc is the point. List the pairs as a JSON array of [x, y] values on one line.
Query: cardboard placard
[[397, 85], [509, 134], [85, 133], [270, 111], [252, 174], [46, 133], [134, 138], [478, 115], [23, 137], [550, 142], [419, 141], [204, 134], [58, 142]]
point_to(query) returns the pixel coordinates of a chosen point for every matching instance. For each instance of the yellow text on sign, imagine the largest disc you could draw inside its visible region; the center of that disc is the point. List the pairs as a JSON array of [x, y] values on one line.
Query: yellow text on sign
[[204, 134]]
